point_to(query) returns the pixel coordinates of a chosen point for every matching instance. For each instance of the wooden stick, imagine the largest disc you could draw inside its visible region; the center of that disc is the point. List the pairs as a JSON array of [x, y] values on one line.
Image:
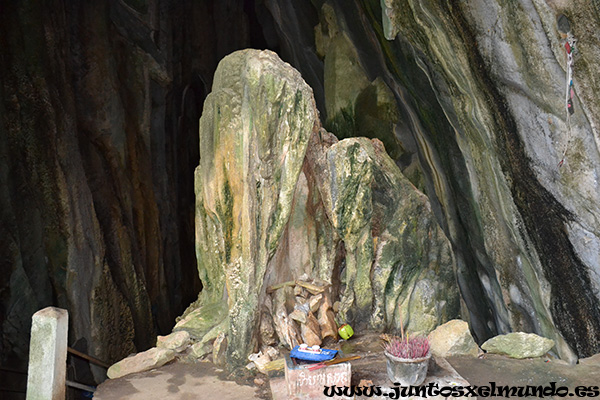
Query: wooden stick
[[312, 288], [89, 358], [273, 288], [340, 360], [81, 386], [332, 362]]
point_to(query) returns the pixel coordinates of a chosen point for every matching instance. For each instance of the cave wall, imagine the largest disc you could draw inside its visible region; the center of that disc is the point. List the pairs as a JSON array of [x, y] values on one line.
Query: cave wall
[[480, 94], [505, 99], [99, 113]]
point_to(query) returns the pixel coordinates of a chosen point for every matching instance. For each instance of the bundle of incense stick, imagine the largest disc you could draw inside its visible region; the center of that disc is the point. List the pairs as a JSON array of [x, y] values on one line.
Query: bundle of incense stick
[[331, 362]]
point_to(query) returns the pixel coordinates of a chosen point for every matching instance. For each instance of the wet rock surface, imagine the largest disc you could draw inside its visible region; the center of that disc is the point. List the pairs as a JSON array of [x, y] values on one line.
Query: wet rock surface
[[99, 113]]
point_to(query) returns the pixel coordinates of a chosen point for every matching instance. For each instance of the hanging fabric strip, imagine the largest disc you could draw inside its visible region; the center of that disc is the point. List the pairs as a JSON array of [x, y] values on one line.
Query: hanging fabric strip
[[570, 93], [568, 96]]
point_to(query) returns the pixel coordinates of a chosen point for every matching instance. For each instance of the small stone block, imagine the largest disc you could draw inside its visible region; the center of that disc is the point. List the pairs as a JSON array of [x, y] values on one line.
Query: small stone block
[[304, 384], [177, 341], [140, 362]]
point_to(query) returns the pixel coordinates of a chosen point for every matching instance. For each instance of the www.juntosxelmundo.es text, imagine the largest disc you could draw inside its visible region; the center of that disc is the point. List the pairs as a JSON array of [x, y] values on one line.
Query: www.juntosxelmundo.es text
[[433, 389]]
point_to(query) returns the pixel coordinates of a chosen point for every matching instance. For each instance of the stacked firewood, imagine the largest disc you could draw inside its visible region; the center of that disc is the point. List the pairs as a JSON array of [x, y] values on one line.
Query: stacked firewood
[[301, 311]]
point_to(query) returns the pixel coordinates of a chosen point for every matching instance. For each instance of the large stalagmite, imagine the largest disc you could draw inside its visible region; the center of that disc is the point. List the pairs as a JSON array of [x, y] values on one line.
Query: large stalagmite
[[343, 215], [253, 135]]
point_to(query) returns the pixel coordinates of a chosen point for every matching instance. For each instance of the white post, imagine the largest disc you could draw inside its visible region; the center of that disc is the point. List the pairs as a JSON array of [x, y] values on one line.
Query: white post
[[48, 355]]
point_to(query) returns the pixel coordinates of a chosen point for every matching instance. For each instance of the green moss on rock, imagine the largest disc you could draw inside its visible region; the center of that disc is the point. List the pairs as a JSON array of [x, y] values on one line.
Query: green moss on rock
[[253, 133]]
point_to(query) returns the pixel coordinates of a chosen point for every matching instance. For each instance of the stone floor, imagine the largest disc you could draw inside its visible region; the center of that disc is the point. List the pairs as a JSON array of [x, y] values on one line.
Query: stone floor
[[540, 371], [179, 381]]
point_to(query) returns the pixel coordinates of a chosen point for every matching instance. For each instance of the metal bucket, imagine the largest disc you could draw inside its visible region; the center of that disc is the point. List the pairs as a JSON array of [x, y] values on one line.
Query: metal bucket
[[407, 371]]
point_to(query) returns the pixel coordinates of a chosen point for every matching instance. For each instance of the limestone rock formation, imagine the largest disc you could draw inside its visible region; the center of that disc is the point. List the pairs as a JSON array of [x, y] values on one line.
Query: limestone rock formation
[[98, 143], [177, 341], [398, 264], [279, 198], [253, 135], [453, 339], [508, 74], [355, 105]]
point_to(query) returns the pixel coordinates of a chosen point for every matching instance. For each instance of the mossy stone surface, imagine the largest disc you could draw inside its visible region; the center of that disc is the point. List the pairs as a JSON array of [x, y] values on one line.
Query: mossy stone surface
[[519, 345], [253, 136], [399, 268]]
